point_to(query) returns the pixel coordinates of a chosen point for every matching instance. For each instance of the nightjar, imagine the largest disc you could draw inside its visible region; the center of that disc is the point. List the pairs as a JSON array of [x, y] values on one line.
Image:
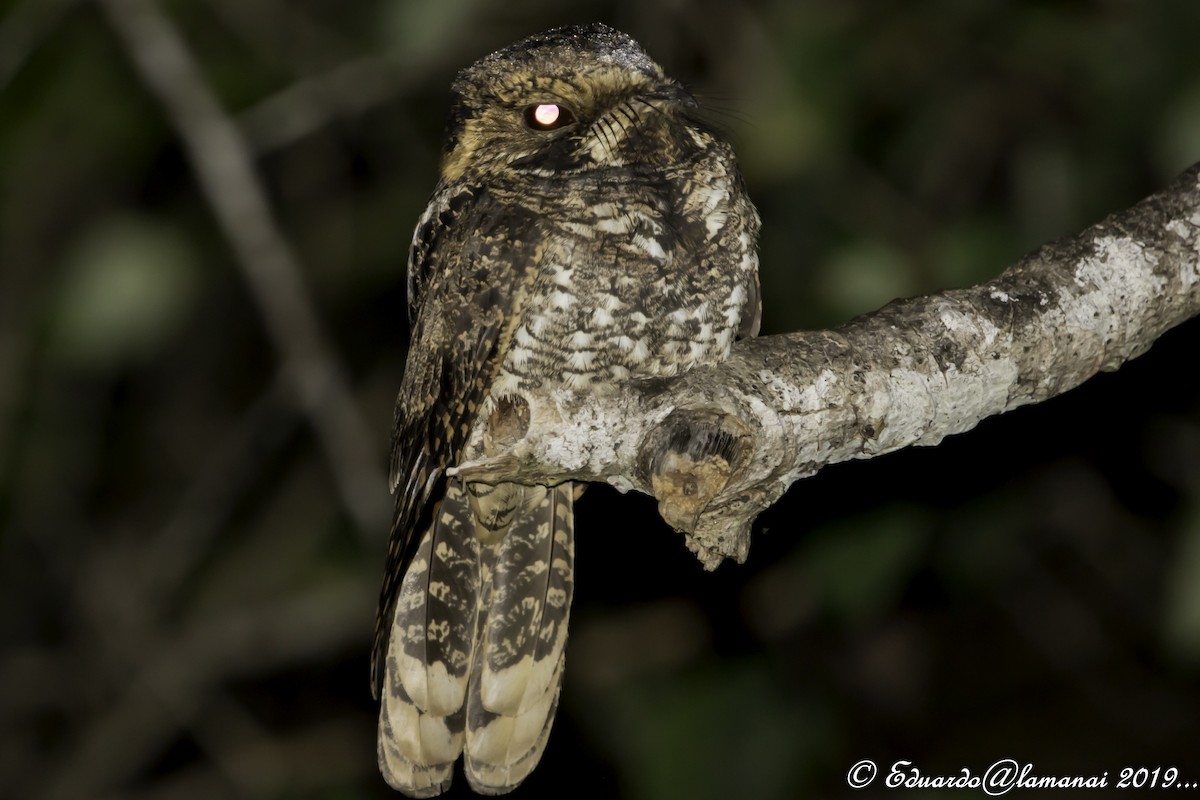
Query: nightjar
[[587, 230]]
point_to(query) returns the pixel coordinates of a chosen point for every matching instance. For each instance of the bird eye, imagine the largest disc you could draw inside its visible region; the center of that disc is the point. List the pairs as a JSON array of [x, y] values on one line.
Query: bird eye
[[548, 116]]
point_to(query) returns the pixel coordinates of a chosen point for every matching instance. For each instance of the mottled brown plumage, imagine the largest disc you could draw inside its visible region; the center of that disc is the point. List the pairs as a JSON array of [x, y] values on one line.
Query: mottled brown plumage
[[587, 229]]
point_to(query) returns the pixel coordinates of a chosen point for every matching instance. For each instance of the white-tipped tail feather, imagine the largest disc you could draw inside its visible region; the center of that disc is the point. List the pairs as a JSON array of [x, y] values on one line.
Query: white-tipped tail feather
[[475, 657]]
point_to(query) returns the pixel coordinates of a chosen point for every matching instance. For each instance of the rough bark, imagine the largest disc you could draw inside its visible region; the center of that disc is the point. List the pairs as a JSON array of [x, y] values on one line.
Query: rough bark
[[720, 444]]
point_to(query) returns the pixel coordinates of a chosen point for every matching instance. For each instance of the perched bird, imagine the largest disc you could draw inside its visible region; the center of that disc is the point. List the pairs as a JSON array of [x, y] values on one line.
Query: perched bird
[[587, 229]]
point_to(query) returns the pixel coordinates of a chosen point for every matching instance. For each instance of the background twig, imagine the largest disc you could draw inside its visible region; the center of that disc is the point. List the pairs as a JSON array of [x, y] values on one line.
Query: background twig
[[223, 166]]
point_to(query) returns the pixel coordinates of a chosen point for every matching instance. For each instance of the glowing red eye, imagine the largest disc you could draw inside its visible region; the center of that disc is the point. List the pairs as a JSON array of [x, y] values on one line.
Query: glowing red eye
[[548, 116]]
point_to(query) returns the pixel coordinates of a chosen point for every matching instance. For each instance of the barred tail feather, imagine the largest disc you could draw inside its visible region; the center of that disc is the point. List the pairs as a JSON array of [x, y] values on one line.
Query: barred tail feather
[[416, 752], [525, 603], [503, 750], [428, 664], [475, 656]]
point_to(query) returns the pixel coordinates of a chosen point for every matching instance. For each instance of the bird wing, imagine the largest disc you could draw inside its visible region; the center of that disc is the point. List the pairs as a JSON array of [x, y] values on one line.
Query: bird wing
[[469, 270]]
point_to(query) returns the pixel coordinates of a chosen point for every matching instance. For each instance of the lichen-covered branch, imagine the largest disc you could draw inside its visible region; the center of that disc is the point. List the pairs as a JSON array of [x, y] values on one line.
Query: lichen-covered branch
[[720, 444]]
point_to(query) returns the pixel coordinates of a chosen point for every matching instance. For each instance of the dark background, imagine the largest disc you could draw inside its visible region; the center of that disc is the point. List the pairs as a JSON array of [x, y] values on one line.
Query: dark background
[[186, 597]]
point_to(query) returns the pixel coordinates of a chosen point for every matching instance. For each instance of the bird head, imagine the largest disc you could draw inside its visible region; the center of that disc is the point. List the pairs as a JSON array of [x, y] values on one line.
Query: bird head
[[570, 100]]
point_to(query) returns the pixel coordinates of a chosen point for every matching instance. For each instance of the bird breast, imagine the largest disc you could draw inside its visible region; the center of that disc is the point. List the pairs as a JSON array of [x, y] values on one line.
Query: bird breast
[[641, 287]]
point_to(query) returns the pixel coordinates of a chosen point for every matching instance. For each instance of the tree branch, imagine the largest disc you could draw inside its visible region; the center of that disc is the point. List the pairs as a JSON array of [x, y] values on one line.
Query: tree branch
[[24, 30], [718, 445], [224, 168], [311, 103]]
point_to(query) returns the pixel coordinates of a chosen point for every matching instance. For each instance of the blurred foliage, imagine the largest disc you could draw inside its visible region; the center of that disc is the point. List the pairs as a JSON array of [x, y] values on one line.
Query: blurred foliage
[[124, 290], [1182, 621], [187, 605]]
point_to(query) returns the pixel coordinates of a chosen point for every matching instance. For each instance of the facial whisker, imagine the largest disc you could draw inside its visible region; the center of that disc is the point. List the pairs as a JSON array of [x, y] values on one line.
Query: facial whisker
[[645, 102], [612, 126], [616, 125], [628, 113], [605, 135]]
